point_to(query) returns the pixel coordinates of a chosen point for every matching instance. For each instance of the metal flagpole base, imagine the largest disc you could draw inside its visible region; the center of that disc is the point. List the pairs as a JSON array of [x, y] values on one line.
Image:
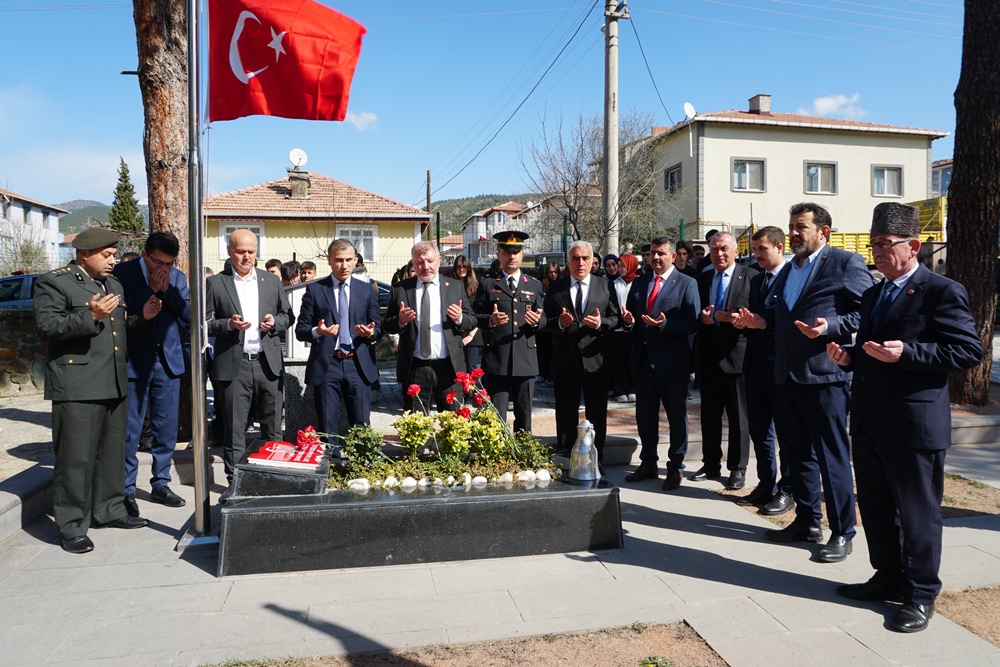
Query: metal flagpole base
[[192, 540]]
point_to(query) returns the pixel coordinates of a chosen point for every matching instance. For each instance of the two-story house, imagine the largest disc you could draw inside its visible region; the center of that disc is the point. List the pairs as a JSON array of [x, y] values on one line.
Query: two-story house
[[23, 220], [728, 169]]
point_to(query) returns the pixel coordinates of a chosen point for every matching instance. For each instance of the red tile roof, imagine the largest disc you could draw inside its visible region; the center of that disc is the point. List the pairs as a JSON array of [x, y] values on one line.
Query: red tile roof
[[795, 120], [29, 200], [328, 198]]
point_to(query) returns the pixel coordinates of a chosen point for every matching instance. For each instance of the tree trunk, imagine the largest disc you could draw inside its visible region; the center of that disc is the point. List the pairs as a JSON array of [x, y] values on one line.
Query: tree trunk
[[160, 29], [974, 195]]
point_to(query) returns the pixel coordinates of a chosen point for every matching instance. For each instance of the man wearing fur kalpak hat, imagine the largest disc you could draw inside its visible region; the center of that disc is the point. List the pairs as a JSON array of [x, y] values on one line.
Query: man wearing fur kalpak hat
[[915, 329]]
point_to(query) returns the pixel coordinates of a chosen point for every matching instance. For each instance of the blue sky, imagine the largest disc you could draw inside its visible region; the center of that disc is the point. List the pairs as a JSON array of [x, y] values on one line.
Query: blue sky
[[436, 80]]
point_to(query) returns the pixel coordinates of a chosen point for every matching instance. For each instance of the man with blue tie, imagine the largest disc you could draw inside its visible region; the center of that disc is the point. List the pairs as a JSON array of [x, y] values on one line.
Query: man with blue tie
[[916, 328], [339, 315], [157, 358], [662, 311], [820, 298], [721, 352]]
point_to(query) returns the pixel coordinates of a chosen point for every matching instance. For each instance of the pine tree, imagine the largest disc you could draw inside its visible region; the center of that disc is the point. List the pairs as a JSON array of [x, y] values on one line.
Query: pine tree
[[124, 215]]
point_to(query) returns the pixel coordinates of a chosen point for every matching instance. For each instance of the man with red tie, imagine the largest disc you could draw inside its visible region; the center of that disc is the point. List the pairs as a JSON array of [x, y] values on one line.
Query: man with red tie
[[662, 312]]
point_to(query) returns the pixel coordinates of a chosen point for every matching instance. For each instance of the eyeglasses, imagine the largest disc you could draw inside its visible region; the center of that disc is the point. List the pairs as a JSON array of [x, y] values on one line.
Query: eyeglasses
[[886, 245], [158, 262]]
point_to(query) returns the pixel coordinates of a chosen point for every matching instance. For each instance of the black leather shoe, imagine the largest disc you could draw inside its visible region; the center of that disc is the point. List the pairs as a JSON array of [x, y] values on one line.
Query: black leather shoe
[[872, 591], [77, 545], [705, 473], [737, 480], [672, 481], [131, 506], [912, 617], [758, 496], [836, 550], [781, 503], [796, 532], [166, 497], [126, 521], [641, 473]]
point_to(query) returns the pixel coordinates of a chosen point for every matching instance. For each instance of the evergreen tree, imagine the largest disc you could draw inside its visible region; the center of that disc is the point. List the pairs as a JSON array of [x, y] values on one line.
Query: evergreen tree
[[124, 215]]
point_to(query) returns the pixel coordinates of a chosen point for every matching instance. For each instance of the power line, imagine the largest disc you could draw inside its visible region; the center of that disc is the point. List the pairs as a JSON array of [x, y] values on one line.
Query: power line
[[798, 33], [462, 16], [655, 87], [56, 8], [526, 97], [880, 16], [890, 9], [816, 18]]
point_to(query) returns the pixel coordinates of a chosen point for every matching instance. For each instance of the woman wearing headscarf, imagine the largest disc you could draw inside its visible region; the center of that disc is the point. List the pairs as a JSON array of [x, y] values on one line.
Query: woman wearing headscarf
[[622, 382], [611, 267]]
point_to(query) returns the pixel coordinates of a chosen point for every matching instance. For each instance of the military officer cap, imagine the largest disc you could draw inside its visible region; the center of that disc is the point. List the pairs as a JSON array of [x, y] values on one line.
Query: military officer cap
[[511, 241], [896, 219], [95, 238]]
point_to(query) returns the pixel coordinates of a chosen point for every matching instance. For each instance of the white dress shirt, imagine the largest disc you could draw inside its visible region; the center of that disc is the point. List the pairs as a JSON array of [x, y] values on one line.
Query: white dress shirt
[[431, 290], [247, 291]]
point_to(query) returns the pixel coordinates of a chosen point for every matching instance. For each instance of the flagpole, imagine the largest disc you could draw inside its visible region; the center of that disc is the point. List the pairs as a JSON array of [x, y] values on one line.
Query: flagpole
[[201, 533]]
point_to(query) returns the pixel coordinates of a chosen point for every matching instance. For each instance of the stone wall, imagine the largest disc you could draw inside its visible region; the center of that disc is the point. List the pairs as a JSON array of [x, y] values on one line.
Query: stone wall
[[22, 354]]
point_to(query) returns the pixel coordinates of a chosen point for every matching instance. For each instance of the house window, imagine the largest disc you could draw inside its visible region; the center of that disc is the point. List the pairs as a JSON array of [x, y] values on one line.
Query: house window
[[672, 180], [364, 238], [748, 175], [821, 178], [887, 181], [225, 229], [27, 214]]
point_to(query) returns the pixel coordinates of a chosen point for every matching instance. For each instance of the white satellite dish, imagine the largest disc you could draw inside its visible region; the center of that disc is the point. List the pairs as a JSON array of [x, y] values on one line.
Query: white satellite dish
[[298, 157], [689, 110]]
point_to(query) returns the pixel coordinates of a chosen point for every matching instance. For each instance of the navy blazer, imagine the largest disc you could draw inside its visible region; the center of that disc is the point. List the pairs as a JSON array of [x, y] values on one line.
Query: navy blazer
[[832, 291], [906, 404], [668, 347], [724, 346], [578, 343], [222, 302], [319, 303], [170, 328], [760, 342], [452, 291]]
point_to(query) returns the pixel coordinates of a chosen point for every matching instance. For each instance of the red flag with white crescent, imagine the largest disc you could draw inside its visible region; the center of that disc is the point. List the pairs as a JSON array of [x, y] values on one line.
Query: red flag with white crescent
[[288, 58]]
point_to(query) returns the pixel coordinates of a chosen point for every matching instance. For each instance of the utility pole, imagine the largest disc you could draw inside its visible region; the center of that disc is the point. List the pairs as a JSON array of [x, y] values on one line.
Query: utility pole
[[428, 200], [613, 11]]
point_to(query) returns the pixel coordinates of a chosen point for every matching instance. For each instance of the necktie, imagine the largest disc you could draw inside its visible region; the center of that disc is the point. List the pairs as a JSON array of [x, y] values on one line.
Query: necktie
[[883, 304], [720, 294], [511, 283], [425, 323], [343, 319], [579, 300], [766, 284], [652, 295]]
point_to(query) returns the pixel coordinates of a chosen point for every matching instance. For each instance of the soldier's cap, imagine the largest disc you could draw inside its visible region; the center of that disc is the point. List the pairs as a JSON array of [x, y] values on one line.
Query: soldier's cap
[[95, 238], [896, 219], [511, 241]]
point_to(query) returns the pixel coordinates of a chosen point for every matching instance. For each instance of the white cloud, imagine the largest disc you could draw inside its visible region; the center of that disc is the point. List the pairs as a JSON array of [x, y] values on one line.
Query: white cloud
[[365, 120], [62, 173], [836, 105]]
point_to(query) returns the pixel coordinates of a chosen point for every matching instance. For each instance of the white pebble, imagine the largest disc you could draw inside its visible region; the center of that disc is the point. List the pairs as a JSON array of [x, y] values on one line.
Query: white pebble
[[467, 479], [358, 485], [408, 483], [424, 482], [450, 481], [526, 476], [390, 482], [543, 475], [506, 478], [478, 480]]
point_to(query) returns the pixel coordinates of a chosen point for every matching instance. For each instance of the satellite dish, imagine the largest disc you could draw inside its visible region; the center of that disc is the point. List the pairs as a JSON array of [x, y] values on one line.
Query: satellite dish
[[298, 157], [689, 110]]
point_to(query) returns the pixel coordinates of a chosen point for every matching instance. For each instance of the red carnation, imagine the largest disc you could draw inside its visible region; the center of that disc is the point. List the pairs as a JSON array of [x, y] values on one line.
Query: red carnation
[[468, 386], [413, 390], [477, 373], [484, 394], [478, 399], [450, 397], [464, 412]]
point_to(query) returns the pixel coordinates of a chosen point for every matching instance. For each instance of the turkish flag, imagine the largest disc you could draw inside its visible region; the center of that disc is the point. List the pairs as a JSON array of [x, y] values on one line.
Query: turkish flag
[[288, 58]]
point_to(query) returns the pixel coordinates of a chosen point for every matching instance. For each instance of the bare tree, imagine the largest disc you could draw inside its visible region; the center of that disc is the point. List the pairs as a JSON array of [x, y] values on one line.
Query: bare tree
[[22, 247], [974, 195], [160, 30]]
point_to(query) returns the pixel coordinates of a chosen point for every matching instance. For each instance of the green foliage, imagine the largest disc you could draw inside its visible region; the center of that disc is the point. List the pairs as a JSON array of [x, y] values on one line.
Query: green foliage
[[456, 211], [124, 215], [638, 627], [453, 437], [489, 436], [414, 428], [656, 661], [530, 451], [363, 446]]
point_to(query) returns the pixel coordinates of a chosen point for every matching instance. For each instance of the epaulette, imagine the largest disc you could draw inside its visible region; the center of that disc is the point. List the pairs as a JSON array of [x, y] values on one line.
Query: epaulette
[[60, 271]]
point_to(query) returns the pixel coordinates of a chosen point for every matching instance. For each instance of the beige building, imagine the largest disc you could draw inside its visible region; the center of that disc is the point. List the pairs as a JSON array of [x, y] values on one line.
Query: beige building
[[297, 217], [727, 169]]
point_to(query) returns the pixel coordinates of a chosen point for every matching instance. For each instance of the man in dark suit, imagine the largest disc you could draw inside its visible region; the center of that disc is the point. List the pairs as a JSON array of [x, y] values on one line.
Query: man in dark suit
[[915, 329], [773, 492], [662, 313], [80, 311], [157, 358], [431, 314], [819, 300], [509, 311], [339, 315], [582, 311], [721, 352], [247, 313]]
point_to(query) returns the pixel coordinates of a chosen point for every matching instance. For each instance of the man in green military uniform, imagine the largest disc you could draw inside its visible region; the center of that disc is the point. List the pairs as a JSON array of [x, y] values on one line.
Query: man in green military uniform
[[80, 312], [508, 307]]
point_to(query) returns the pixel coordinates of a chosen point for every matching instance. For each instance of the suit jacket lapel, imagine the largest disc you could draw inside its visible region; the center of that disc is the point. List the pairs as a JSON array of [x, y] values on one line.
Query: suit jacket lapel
[[229, 282], [912, 287], [818, 266]]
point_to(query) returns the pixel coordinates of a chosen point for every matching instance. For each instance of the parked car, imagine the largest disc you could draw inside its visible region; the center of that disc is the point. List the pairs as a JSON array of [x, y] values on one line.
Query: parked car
[[15, 291]]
